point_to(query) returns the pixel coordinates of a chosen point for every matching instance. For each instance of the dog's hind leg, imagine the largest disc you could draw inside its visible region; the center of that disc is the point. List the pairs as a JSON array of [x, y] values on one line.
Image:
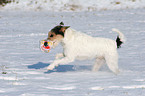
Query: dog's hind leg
[[98, 63], [112, 62]]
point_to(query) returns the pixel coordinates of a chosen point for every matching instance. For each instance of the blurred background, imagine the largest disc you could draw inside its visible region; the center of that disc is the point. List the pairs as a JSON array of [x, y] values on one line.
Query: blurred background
[[70, 5]]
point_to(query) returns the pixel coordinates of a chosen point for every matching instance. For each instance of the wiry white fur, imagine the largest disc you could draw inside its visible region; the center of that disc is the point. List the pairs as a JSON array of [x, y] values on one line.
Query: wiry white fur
[[80, 46]]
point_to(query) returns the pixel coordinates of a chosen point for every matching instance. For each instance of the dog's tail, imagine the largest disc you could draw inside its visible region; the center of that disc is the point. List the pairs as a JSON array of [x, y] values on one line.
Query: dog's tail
[[120, 38]]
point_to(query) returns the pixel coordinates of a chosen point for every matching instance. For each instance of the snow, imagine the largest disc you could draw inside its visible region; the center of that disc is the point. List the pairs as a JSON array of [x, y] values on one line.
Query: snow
[[74, 5], [61, 88], [25, 65]]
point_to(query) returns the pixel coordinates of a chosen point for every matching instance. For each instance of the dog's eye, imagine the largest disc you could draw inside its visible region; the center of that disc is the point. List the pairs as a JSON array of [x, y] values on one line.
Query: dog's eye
[[51, 35]]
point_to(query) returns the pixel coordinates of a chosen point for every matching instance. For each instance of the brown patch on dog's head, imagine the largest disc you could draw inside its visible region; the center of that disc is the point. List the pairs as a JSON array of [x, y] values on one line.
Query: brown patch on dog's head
[[57, 33]]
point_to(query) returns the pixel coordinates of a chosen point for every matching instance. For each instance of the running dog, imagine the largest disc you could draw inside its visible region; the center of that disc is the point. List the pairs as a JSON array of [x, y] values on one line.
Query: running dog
[[77, 45]]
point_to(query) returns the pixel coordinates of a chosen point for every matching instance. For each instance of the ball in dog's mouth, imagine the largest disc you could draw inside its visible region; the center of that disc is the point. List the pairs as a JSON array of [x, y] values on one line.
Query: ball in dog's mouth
[[46, 45]]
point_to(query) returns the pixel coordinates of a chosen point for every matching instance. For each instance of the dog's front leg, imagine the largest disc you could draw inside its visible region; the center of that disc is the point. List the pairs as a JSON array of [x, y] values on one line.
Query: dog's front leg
[[59, 55], [64, 60]]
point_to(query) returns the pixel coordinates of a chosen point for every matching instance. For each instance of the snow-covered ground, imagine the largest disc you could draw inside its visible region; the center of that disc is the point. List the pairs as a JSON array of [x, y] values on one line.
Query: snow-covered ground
[[74, 5], [23, 66]]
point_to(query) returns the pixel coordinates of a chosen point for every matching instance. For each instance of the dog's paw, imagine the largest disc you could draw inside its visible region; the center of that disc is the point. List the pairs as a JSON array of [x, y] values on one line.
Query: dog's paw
[[51, 67]]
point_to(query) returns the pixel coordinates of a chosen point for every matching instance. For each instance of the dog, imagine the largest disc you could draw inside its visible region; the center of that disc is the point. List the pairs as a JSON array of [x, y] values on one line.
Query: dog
[[80, 46]]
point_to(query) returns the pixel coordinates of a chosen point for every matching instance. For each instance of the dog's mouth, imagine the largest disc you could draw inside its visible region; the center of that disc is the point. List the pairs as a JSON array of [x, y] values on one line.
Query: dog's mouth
[[55, 43]]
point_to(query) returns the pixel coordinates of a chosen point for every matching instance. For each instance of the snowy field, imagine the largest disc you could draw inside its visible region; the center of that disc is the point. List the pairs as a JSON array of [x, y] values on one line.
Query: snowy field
[[23, 66], [74, 5]]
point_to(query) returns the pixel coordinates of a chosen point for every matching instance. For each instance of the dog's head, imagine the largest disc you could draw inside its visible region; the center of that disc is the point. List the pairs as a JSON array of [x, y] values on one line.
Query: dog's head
[[57, 33]]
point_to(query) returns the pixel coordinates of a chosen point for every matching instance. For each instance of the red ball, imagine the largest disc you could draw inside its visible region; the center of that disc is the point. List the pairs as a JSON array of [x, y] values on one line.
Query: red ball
[[46, 47]]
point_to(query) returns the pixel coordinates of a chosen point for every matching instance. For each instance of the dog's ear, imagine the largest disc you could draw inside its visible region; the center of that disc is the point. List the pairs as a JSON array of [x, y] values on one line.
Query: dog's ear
[[61, 24], [64, 28]]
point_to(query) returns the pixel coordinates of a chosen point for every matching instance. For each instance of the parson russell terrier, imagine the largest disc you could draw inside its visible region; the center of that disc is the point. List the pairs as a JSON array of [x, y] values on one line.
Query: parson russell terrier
[[77, 45]]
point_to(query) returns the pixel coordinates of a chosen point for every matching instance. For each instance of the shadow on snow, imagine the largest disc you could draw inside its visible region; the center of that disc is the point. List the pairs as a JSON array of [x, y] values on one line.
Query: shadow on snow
[[60, 68]]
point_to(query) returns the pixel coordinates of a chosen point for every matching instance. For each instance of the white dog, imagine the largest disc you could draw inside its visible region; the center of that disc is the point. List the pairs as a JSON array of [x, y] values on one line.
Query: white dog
[[77, 45]]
